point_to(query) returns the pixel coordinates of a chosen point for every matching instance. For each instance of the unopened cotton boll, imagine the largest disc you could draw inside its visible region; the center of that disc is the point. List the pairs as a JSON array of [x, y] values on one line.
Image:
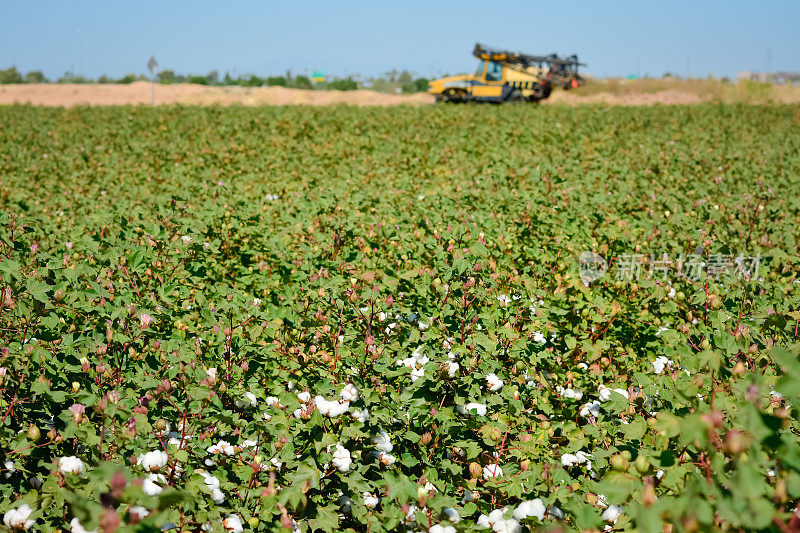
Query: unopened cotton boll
[[70, 465], [153, 461], [530, 508], [493, 383]]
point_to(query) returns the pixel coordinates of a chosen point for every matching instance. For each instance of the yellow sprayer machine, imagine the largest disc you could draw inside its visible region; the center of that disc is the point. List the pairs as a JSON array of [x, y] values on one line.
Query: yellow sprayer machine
[[504, 76]]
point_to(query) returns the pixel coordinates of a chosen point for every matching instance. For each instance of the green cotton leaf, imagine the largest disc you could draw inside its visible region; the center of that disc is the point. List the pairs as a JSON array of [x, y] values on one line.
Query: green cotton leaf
[[170, 498], [635, 429], [37, 290], [326, 519]]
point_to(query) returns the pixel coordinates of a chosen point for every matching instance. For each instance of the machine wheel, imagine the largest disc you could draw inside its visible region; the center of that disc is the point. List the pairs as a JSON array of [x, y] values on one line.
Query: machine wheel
[[516, 97], [455, 95]]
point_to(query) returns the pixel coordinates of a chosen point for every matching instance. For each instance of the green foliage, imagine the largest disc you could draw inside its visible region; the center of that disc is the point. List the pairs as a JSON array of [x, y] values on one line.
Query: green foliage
[[347, 84], [157, 265], [279, 81], [35, 76], [10, 75]]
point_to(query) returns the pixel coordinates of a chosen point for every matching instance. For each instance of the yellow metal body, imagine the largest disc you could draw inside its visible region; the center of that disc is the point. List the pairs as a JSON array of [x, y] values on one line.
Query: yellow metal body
[[494, 81]]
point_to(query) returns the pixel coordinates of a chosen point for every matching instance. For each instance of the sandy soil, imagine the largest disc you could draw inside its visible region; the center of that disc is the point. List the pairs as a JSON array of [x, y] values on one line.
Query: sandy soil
[[189, 94]]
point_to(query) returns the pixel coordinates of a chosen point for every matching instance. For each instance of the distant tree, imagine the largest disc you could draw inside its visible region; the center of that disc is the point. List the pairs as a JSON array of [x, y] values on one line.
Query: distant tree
[[198, 80], [667, 75], [104, 79], [167, 77], [302, 82], [417, 86], [212, 77], [279, 81], [129, 78], [10, 75], [35, 76], [405, 78], [392, 75], [252, 81], [71, 77], [347, 84]]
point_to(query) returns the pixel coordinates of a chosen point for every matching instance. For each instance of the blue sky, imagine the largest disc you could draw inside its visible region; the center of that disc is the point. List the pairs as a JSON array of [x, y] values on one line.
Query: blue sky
[[429, 38]]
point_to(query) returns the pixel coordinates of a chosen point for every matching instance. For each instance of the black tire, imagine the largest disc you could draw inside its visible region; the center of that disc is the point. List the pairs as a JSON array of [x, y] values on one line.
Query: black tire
[[515, 96]]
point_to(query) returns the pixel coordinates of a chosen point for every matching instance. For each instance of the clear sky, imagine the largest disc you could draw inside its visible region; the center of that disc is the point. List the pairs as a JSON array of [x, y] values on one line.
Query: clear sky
[[371, 37]]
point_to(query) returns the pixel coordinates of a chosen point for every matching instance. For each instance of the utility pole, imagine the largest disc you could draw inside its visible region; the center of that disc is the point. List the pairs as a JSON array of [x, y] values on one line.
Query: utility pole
[[152, 65]]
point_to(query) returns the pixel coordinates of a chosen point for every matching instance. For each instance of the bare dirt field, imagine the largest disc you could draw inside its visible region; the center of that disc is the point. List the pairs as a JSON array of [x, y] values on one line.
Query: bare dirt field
[[608, 92]]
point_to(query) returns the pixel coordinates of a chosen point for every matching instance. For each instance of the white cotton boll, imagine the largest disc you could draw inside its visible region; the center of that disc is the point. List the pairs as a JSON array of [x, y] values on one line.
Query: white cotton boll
[[438, 528], [9, 468], [529, 508], [612, 513], [483, 521], [153, 461], [385, 458], [539, 338], [573, 394], [583, 366], [362, 415], [75, 526], [18, 519], [452, 369], [70, 465], [272, 401], [217, 496], [248, 399], [591, 409], [341, 458], [506, 526], [304, 396], [233, 524], [493, 383], [660, 364], [504, 300], [349, 393], [451, 515], [223, 447], [150, 485], [139, 512], [338, 409], [382, 442], [477, 408], [370, 500], [491, 471]]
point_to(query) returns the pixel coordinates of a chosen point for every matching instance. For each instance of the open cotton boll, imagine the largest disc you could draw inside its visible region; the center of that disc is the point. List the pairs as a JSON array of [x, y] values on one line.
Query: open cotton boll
[[385, 458], [153, 461], [382, 442], [493, 383], [451, 515], [19, 519], [248, 399], [452, 369], [360, 415], [569, 393], [341, 458], [612, 513], [223, 447], [491, 471], [539, 338], [233, 524], [370, 500], [591, 409], [477, 408], [604, 393], [529, 508], [661, 363], [349, 393], [151, 486], [438, 528], [70, 465], [506, 526], [304, 396]]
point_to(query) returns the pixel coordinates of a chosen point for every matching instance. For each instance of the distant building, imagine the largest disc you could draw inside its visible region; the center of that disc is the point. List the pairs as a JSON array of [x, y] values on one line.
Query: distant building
[[779, 78]]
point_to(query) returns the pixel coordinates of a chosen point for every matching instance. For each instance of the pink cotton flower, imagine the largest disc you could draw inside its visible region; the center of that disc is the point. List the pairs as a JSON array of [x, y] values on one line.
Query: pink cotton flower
[[145, 320]]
